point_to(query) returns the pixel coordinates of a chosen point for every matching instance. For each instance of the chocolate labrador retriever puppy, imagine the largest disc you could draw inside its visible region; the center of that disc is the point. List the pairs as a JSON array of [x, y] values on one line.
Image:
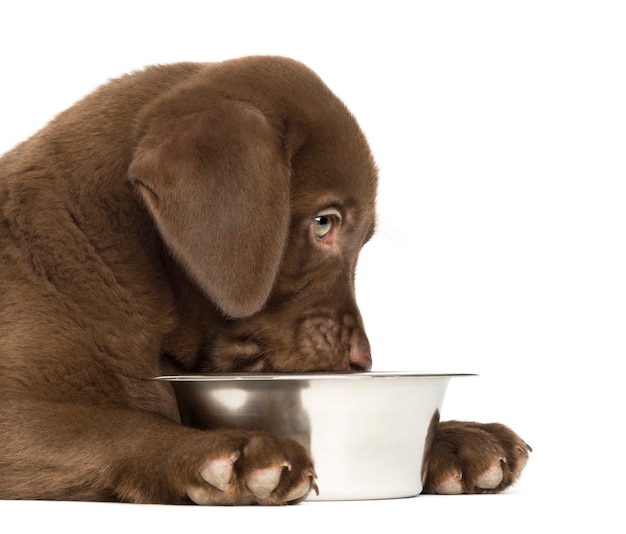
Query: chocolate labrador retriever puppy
[[190, 217]]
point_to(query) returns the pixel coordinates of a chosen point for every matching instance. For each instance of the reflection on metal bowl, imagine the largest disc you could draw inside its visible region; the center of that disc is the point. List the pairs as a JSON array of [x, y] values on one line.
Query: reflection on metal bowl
[[368, 433]]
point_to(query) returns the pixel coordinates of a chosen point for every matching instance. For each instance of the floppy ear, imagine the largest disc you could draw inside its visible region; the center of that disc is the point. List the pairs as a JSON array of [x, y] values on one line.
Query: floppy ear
[[216, 183]]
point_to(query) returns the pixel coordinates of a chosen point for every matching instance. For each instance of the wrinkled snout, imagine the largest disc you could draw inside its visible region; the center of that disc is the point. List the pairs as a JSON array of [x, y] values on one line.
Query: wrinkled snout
[[327, 341]]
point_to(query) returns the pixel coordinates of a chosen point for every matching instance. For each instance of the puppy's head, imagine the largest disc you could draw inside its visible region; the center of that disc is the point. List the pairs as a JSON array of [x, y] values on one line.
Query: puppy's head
[[263, 187]]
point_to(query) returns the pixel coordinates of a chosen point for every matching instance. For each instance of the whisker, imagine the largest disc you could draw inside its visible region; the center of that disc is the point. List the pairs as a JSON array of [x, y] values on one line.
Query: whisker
[[395, 237]]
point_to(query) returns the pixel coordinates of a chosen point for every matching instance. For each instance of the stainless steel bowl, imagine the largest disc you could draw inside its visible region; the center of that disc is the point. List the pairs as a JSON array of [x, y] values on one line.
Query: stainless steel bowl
[[368, 433]]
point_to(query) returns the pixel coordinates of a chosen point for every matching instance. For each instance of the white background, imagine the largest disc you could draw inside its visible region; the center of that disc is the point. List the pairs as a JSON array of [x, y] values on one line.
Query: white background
[[499, 129]]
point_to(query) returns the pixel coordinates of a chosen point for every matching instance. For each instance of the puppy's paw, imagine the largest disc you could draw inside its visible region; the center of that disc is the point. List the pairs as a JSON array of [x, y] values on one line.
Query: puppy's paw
[[258, 469], [474, 458]]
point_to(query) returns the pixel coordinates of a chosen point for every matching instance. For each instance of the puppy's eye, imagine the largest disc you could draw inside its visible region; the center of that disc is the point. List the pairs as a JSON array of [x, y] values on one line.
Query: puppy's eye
[[322, 226], [325, 224]]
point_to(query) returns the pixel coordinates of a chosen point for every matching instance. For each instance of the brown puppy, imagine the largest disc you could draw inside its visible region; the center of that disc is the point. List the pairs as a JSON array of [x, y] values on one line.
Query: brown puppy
[[183, 218]]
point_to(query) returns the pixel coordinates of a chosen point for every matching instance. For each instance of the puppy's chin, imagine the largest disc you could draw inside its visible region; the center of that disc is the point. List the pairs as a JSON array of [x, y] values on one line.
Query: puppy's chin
[[228, 355], [244, 356], [257, 365], [248, 357]]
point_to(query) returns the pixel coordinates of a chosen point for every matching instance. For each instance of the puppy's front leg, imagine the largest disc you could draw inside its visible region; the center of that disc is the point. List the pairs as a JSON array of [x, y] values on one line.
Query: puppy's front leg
[[65, 451]]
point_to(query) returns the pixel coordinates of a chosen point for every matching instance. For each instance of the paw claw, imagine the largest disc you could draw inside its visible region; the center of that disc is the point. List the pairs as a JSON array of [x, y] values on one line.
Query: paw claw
[[451, 485], [491, 478], [263, 482], [219, 472], [522, 460], [300, 491]]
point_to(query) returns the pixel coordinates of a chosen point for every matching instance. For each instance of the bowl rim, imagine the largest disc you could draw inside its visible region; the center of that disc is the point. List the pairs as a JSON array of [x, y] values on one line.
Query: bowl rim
[[237, 377]]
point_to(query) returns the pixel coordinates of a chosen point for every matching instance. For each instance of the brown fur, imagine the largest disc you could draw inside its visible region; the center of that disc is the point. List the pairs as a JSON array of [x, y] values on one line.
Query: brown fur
[[166, 223]]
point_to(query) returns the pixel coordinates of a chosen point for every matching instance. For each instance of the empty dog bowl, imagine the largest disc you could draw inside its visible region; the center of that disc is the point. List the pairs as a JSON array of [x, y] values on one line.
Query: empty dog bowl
[[368, 433]]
